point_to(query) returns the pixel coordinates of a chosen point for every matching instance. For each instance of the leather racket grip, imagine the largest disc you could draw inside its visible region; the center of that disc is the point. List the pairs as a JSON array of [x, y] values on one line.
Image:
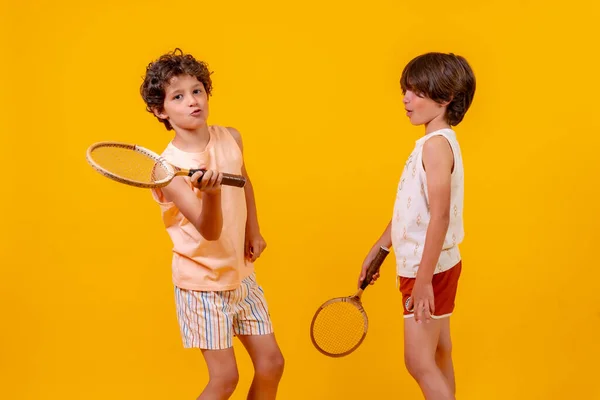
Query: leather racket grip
[[233, 180], [374, 267], [228, 179]]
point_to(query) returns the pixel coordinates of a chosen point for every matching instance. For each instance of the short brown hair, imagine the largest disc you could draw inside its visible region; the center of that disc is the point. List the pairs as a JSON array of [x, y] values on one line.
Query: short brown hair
[[160, 72], [442, 77]]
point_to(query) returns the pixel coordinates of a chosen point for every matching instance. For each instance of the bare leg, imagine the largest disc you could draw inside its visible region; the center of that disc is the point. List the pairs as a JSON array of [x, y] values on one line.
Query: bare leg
[[420, 345], [223, 374], [443, 354], [268, 365]]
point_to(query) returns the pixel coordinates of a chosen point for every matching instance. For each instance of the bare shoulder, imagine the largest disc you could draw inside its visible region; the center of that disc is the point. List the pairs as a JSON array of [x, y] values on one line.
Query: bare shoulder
[[236, 135], [437, 150], [437, 143]]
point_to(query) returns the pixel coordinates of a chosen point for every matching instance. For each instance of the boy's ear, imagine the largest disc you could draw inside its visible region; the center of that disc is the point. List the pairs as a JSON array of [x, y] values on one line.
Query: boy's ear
[[159, 114], [445, 103]]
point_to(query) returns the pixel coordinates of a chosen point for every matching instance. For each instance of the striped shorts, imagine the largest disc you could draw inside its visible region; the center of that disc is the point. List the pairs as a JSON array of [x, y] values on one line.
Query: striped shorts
[[209, 320]]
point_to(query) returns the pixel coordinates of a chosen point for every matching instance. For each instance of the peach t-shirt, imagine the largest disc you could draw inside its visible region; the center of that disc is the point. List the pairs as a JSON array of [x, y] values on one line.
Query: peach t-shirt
[[199, 264]]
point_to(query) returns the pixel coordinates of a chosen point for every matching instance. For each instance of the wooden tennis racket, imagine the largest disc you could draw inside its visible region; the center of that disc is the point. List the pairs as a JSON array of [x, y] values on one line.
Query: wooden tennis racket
[[340, 325], [137, 166]]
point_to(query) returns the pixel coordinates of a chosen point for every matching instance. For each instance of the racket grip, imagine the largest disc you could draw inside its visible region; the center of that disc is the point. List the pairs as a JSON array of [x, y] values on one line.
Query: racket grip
[[374, 267], [233, 180], [228, 179]]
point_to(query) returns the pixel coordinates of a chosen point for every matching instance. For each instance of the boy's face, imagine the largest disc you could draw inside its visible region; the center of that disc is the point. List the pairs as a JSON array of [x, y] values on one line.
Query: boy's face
[[186, 103], [421, 110]]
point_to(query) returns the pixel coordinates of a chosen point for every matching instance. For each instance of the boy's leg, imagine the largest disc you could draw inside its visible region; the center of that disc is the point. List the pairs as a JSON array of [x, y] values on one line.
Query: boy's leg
[[253, 327], [268, 365], [428, 348], [420, 347], [222, 372], [443, 354], [205, 324]]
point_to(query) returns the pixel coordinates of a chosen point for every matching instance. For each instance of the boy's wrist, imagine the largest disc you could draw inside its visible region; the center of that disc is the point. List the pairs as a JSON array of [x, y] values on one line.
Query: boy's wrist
[[212, 201], [424, 276], [252, 227], [213, 194], [383, 242]]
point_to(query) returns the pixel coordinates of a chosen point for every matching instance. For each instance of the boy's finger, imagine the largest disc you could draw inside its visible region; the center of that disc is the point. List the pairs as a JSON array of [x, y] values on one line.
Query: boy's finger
[[204, 179], [409, 305], [257, 248], [210, 177], [418, 310], [197, 177], [432, 306], [361, 278], [199, 174], [247, 249], [426, 312]]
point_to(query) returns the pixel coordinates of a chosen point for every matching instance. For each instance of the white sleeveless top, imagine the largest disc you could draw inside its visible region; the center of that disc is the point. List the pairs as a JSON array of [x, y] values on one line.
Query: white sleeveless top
[[411, 211]]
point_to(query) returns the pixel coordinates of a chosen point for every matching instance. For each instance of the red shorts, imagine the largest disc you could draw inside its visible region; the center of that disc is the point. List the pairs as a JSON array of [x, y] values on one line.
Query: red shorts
[[444, 291]]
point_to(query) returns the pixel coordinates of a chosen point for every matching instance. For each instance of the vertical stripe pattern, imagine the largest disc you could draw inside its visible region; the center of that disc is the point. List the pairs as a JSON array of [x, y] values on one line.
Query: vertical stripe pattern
[[209, 320]]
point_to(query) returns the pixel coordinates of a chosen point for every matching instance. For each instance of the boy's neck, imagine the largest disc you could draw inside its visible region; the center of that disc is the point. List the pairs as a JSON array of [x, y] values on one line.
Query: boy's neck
[[192, 141], [436, 125]]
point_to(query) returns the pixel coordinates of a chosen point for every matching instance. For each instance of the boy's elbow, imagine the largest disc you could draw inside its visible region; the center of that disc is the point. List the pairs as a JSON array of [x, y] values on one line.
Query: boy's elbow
[[442, 217], [210, 230], [210, 234], [213, 237]]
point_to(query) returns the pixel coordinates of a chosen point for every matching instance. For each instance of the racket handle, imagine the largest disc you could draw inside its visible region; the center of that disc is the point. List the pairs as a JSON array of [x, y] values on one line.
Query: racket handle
[[374, 267], [233, 180], [228, 179]]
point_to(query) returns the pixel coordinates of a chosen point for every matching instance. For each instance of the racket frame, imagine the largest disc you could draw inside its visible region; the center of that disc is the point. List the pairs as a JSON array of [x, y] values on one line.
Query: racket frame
[[356, 301], [171, 170]]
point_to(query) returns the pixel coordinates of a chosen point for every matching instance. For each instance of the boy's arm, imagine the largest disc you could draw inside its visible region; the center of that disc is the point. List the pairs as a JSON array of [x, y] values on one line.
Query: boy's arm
[[438, 161], [254, 244], [205, 214], [384, 240]]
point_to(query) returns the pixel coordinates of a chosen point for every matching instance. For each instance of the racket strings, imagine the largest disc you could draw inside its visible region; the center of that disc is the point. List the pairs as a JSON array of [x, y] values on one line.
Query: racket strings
[[338, 327], [129, 164]]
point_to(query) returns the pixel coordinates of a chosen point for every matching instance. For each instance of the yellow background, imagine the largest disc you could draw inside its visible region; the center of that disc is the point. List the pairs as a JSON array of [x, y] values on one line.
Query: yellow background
[[86, 301]]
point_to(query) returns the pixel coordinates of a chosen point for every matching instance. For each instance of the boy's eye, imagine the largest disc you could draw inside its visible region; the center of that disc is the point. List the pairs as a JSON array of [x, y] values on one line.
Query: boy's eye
[[197, 91], [177, 97]]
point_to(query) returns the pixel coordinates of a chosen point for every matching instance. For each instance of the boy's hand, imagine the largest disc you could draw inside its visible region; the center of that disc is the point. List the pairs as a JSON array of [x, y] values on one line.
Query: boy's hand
[[209, 181], [422, 301], [255, 245], [366, 263]]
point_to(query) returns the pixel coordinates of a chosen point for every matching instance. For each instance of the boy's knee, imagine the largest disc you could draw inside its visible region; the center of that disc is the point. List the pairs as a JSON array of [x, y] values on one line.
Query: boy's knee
[[225, 383], [270, 366], [417, 365]]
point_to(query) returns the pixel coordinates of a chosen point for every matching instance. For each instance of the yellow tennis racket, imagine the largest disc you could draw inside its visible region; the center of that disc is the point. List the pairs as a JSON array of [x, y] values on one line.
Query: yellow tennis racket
[[340, 325], [137, 166]]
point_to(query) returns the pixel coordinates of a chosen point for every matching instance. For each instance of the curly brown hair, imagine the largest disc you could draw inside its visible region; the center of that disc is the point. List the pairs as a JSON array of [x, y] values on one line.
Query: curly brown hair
[[442, 77], [160, 72]]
